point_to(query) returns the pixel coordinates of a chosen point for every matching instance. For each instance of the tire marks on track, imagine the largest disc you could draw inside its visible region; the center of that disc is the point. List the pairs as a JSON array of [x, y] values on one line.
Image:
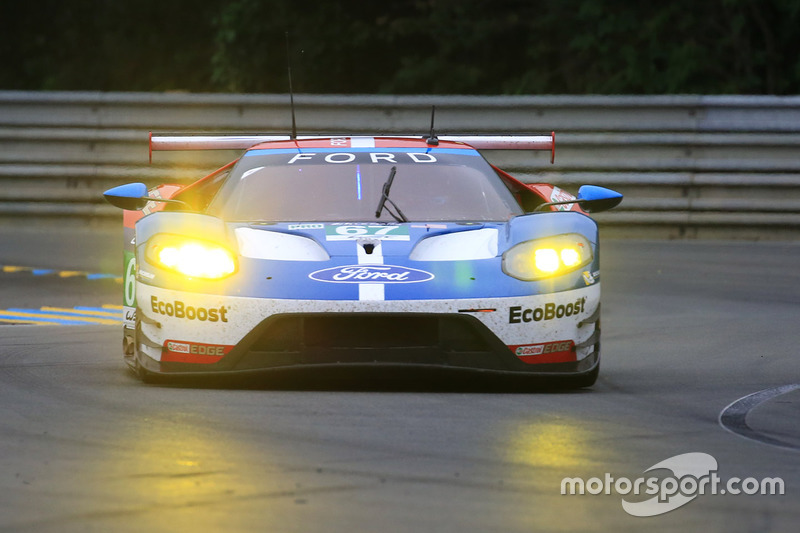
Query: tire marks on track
[[734, 417]]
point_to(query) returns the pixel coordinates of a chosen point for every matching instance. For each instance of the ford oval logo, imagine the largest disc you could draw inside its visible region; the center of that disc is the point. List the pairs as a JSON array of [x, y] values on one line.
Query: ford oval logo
[[371, 274]]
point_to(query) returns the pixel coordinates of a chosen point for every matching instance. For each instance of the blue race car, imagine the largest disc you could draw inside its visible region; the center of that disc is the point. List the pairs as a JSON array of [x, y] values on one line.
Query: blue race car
[[362, 251]]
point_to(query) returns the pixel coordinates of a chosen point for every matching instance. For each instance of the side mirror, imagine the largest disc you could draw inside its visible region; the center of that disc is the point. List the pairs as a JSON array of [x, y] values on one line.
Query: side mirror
[[594, 199], [134, 196], [131, 196], [591, 198]]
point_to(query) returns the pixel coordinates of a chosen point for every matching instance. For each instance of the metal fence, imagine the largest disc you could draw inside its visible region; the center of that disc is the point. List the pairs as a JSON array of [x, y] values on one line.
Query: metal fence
[[689, 166]]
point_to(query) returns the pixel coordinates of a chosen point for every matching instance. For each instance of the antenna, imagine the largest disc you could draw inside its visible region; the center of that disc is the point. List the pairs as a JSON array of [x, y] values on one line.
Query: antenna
[[432, 138], [291, 91]]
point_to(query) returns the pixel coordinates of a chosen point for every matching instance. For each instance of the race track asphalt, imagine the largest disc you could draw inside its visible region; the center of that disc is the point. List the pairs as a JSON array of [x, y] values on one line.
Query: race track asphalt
[[691, 329]]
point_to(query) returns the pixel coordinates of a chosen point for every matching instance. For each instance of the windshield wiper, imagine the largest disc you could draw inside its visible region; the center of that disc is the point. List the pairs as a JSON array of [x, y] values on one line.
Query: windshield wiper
[[399, 216]]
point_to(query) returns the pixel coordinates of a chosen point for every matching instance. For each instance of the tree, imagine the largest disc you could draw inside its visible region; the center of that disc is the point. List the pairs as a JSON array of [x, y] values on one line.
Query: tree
[[404, 46]]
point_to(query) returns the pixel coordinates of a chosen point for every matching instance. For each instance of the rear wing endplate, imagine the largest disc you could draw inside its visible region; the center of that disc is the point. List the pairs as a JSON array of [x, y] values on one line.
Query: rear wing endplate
[[160, 142]]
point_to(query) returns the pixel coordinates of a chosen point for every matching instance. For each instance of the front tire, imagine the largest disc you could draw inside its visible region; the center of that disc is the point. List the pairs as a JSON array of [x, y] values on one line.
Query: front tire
[[142, 373], [584, 380]]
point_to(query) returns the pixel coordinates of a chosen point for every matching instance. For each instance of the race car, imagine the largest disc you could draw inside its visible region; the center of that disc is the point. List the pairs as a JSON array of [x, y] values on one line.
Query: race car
[[349, 252]]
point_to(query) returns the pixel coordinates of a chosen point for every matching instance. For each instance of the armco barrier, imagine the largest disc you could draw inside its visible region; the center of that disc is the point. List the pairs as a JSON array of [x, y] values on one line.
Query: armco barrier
[[688, 165]]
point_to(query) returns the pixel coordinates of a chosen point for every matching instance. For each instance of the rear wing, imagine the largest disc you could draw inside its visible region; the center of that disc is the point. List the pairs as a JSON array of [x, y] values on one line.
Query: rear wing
[[243, 142]]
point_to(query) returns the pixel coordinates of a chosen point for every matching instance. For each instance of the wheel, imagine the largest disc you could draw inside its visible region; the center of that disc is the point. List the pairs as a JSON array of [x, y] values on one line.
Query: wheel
[[141, 372], [584, 380], [588, 379]]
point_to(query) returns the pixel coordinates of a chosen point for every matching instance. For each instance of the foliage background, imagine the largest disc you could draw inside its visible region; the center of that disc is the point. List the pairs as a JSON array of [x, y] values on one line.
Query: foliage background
[[403, 46]]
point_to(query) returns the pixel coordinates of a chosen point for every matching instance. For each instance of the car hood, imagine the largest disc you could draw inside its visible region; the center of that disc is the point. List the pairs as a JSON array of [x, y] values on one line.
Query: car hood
[[333, 261], [371, 243]]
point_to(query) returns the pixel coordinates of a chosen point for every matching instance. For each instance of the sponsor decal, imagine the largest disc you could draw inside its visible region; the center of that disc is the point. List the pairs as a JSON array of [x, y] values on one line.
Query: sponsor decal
[[591, 278], [371, 274], [193, 352], [345, 232], [177, 347], [429, 226], [306, 226], [550, 311], [179, 309], [560, 195], [548, 352], [372, 157], [129, 316], [153, 205]]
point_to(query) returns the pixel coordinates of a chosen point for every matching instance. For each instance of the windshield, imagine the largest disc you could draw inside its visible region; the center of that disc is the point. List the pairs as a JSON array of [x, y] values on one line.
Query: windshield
[[322, 185]]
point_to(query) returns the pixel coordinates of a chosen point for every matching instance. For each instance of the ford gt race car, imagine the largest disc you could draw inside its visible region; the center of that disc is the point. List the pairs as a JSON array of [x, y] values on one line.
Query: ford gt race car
[[361, 251]]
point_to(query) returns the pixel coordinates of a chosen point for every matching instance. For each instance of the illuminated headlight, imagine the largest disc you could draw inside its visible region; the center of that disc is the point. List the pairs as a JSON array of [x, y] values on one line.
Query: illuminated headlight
[[193, 258], [546, 258]]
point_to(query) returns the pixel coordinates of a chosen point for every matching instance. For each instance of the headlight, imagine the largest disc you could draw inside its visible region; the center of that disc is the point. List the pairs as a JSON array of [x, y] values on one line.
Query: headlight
[[193, 258], [546, 258]]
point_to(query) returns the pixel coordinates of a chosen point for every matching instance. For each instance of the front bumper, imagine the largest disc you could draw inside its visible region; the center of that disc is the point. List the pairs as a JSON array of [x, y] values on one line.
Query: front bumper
[[181, 332]]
